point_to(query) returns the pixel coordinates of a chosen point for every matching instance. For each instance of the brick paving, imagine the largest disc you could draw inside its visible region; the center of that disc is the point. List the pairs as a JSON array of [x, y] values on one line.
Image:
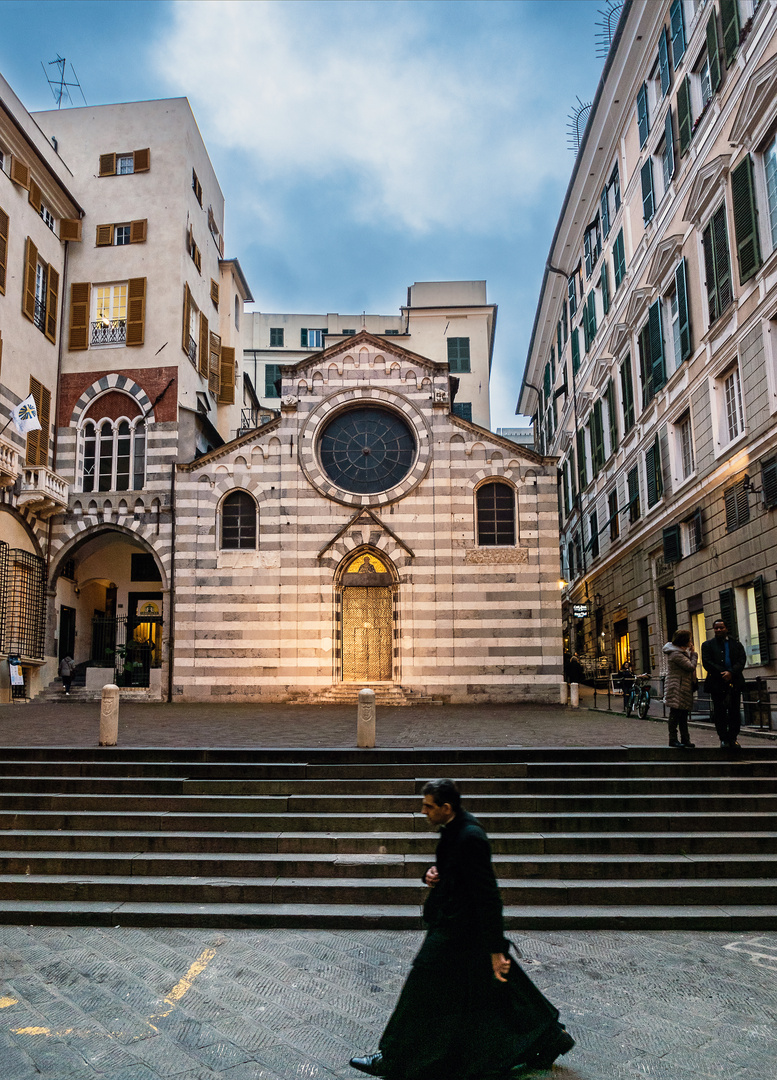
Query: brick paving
[[71, 723], [131, 1004]]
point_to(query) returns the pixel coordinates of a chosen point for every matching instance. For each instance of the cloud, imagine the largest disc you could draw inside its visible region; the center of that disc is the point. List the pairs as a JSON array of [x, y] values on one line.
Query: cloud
[[427, 114]]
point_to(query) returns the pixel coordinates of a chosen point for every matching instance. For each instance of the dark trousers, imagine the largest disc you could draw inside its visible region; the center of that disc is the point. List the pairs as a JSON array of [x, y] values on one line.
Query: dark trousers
[[66, 681], [678, 718], [725, 712]]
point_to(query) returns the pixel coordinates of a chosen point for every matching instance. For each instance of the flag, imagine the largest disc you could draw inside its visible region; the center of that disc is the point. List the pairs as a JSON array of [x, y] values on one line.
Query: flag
[[25, 416]]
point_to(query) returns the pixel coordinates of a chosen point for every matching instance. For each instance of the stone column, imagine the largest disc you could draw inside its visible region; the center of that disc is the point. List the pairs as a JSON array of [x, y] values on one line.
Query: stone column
[[109, 715], [365, 721], [563, 691], [574, 695]]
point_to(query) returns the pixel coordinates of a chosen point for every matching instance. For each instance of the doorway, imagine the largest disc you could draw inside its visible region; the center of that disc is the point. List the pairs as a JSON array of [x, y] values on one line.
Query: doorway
[[67, 632], [367, 622]]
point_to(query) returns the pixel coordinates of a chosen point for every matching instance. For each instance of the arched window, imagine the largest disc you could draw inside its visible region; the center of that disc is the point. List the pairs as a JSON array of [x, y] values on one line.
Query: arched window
[[113, 454], [496, 514], [238, 521]]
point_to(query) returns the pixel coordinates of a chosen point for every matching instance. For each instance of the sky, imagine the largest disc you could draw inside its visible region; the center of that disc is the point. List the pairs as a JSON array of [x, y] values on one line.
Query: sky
[[361, 145]]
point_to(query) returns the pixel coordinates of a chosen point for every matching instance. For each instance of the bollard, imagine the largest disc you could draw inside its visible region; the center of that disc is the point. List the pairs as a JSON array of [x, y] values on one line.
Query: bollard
[[574, 695], [109, 715], [563, 693], [365, 721]]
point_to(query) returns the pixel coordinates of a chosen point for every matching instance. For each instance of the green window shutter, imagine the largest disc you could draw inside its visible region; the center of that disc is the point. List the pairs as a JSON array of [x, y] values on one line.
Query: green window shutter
[[303, 338], [709, 271], [769, 482], [565, 321], [575, 351], [669, 137], [605, 213], [592, 314], [663, 62], [683, 310], [645, 365], [729, 17], [648, 203], [558, 338], [759, 588], [565, 487], [604, 286], [656, 346], [458, 354], [546, 381], [653, 473], [728, 611], [722, 260], [619, 260], [677, 25], [643, 120], [635, 508], [713, 52], [745, 219], [612, 416], [572, 294], [684, 114], [582, 472], [673, 550], [462, 409], [272, 374], [593, 524], [587, 252], [597, 432], [586, 331], [627, 394]]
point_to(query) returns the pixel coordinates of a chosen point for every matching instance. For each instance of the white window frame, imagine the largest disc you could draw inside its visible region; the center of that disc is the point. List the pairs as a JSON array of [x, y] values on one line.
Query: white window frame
[[744, 597], [124, 160], [136, 424], [194, 332], [47, 216], [114, 326], [723, 408], [125, 225]]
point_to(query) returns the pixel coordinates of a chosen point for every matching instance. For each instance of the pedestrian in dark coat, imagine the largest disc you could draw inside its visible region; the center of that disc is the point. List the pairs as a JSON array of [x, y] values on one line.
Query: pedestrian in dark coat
[[66, 668], [724, 659], [466, 1010], [679, 686]]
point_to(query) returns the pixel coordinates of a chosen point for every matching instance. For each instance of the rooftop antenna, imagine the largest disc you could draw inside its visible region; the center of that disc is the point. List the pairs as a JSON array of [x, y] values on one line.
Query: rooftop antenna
[[606, 28], [578, 118], [60, 87]]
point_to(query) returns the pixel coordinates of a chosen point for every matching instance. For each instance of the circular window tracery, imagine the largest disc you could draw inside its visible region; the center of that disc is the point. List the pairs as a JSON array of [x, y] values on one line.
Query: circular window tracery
[[367, 450]]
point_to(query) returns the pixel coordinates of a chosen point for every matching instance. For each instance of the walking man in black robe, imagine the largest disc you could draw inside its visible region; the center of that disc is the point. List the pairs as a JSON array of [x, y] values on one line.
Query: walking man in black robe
[[466, 1010]]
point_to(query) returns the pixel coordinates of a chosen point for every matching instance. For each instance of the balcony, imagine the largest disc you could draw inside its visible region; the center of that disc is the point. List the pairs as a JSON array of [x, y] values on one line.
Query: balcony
[[9, 463], [43, 492], [109, 332], [39, 318], [192, 350]]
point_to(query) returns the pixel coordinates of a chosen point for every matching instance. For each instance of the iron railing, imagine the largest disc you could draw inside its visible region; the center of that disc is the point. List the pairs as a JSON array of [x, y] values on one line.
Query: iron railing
[[130, 644], [192, 349], [109, 332], [25, 603], [39, 318]]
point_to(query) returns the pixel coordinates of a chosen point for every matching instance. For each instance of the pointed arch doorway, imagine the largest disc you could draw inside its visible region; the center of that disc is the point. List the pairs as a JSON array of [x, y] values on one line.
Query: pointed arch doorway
[[367, 587]]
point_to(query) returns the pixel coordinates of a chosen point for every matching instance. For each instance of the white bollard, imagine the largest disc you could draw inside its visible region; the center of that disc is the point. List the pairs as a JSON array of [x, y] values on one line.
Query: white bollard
[[109, 715], [574, 695], [563, 693], [365, 721]]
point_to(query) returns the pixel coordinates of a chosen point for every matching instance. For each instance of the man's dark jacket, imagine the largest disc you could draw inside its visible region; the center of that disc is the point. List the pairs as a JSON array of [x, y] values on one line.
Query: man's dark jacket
[[465, 905], [713, 658]]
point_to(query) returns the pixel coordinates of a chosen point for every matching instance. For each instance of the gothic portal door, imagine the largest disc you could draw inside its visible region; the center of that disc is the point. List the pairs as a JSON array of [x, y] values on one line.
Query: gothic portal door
[[367, 621]]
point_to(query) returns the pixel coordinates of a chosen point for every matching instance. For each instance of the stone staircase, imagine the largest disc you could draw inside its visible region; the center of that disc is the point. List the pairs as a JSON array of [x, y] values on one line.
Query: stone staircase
[[386, 693], [582, 838]]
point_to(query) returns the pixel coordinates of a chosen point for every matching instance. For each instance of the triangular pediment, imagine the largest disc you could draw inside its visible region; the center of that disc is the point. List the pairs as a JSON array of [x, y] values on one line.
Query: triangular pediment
[[374, 345], [706, 188], [366, 518], [665, 259], [618, 338], [601, 371], [757, 108], [637, 306]]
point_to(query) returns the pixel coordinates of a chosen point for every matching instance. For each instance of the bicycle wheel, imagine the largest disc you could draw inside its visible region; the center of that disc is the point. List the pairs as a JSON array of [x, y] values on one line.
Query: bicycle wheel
[[644, 705], [628, 705]]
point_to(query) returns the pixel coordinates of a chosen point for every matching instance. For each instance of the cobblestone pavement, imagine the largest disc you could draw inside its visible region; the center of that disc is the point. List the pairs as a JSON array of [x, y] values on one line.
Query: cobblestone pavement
[[131, 1004], [71, 723]]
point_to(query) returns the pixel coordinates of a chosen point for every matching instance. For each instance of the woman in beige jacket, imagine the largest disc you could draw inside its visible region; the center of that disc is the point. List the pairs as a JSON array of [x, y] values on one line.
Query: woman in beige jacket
[[679, 686]]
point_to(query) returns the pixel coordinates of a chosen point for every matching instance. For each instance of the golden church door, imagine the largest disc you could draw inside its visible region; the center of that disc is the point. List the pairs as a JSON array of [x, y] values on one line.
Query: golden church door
[[367, 622]]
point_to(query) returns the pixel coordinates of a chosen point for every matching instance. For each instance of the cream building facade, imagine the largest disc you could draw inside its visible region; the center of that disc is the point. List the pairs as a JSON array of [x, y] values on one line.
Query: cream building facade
[[652, 370]]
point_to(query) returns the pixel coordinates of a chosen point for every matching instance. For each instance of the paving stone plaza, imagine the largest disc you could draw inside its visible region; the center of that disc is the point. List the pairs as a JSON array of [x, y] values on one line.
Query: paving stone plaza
[[132, 1003]]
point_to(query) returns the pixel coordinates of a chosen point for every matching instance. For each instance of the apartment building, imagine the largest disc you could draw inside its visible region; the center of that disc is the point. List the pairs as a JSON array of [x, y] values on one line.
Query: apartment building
[[652, 369], [447, 321]]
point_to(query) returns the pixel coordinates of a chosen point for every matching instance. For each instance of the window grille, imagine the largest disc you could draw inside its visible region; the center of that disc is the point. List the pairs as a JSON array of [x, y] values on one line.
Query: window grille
[[496, 514], [238, 522], [25, 605]]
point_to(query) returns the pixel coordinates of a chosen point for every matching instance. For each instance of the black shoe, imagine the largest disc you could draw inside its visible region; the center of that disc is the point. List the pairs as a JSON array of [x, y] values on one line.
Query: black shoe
[[557, 1043], [734, 745], [689, 745], [372, 1064], [674, 742], [724, 745]]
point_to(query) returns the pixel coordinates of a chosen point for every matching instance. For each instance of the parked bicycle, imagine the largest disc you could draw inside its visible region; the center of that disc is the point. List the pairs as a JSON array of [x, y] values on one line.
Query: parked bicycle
[[638, 698]]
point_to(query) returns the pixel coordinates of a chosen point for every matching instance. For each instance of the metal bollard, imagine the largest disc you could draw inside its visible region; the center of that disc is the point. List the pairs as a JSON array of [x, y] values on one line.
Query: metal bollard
[[109, 715], [365, 720], [574, 695], [563, 693]]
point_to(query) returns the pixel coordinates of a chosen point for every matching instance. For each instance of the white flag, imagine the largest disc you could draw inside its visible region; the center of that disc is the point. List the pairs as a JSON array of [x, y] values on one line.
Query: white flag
[[25, 416]]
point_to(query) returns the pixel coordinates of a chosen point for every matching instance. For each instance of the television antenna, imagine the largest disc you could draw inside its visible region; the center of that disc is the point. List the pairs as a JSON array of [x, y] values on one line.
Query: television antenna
[[578, 118], [606, 28], [60, 86]]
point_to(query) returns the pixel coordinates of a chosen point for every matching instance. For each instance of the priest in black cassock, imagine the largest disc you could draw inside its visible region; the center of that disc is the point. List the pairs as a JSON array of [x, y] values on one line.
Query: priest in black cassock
[[467, 1011]]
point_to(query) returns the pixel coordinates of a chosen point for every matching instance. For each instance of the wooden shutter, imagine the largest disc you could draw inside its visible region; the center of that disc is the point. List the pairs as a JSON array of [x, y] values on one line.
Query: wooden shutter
[[138, 230], [709, 271], [141, 160], [546, 378], [28, 290], [589, 264], [214, 366], [228, 373], [52, 302], [197, 256], [669, 140], [558, 339], [38, 441], [713, 52], [107, 165], [684, 115], [645, 366], [136, 311], [619, 260], [35, 196], [19, 172], [728, 611], [593, 525], [575, 350], [722, 260], [745, 220], [632, 481], [612, 416], [663, 61], [104, 236], [303, 338], [80, 293], [3, 248], [683, 310], [187, 314], [605, 213], [582, 472], [729, 17], [652, 473], [627, 389], [673, 551], [759, 589], [592, 314], [769, 482], [597, 431], [655, 328], [677, 26], [643, 120], [572, 295], [648, 205], [737, 507], [604, 286], [203, 346], [70, 229]]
